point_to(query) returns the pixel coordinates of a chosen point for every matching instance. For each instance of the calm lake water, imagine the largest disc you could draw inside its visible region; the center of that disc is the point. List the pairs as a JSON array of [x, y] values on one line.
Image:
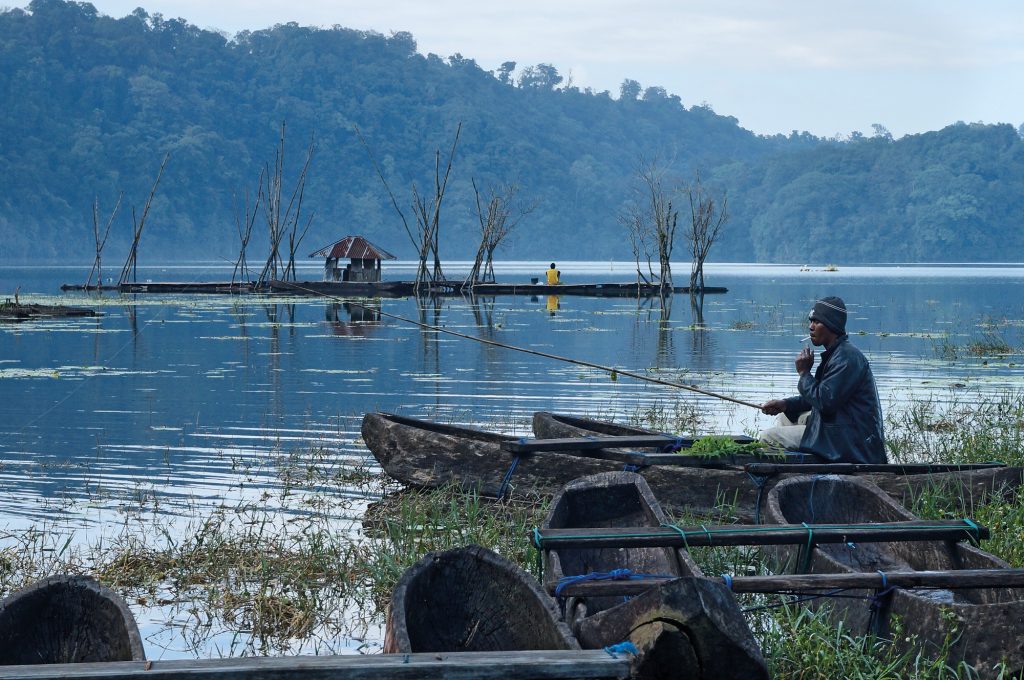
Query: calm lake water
[[169, 397]]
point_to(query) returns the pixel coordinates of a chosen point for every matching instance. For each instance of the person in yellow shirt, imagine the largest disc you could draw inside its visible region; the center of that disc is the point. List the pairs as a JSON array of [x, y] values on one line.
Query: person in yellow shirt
[[554, 276]]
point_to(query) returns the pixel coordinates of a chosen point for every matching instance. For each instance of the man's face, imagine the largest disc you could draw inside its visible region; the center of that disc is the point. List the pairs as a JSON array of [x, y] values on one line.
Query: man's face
[[821, 334]]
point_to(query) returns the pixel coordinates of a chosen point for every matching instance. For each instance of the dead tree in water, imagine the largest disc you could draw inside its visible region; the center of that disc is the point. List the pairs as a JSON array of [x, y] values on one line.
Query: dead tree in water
[[282, 220], [427, 214], [652, 218], [137, 225], [496, 223], [97, 265], [706, 220], [241, 269]]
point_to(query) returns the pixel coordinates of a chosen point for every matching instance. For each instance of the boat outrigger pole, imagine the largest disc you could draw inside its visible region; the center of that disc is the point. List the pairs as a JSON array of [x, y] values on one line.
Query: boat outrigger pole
[[577, 362]]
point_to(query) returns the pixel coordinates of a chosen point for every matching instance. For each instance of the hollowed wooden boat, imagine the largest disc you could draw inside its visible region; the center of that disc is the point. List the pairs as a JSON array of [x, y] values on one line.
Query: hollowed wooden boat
[[687, 627], [472, 600], [67, 619], [424, 454], [984, 626], [547, 425]]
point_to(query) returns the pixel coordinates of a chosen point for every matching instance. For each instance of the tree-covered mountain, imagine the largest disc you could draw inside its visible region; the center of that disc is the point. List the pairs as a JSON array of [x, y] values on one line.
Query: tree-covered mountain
[[92, 104]]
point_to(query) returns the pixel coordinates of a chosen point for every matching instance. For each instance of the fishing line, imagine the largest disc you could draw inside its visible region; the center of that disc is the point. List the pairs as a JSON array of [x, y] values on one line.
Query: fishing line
[[546, 355]]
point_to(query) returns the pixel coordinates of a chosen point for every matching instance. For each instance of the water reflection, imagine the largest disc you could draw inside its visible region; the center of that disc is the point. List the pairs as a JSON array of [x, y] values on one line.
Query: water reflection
[[172, 398]]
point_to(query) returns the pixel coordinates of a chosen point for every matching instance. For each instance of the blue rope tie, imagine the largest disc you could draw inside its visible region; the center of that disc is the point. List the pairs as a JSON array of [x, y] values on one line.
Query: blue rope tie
[[629, 467], [626, 647], [759, 481], [885, 581], [538, 540], [671, 447], [613, 575], [708, 534], [503, 489], [727, 578]]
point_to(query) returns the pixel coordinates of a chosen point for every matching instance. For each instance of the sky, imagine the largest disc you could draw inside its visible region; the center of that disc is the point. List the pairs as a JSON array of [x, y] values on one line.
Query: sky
[[828, 67]]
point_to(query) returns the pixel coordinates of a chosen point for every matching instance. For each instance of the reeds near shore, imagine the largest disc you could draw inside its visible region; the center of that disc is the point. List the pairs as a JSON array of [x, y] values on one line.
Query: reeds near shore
[[307, 566]]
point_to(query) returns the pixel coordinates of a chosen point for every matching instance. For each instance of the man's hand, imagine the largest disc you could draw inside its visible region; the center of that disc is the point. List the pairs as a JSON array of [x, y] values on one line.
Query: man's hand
[[773, 407], [804, 360]]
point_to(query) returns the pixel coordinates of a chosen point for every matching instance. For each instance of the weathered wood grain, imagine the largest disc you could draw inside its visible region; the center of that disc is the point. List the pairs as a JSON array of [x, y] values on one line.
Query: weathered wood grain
[[462, 666], [983, 625]]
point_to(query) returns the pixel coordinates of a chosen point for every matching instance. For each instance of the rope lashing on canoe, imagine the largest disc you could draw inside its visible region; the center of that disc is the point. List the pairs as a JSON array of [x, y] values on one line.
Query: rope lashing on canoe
[[837, 593], [727, 579], [630, 467], [546, 355], [976, 538], [759, 481], [677, 444], [877, 602], [503, 489], [681, 533], [626, 647], [613, 575], [971, 531], [808, 550]]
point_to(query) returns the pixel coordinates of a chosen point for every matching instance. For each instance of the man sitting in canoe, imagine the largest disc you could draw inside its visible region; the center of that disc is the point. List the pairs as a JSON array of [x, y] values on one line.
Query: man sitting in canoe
[[837, 414]]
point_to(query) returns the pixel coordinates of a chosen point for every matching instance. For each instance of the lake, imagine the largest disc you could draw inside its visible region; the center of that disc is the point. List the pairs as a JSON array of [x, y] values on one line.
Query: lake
[[169, 401]]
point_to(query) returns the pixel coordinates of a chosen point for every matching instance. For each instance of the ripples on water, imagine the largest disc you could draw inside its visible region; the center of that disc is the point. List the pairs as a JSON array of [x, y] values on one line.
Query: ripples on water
[[174, 403]]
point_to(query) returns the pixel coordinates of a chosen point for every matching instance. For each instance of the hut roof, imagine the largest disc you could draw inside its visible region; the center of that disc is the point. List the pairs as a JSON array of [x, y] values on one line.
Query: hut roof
[[355, 248]]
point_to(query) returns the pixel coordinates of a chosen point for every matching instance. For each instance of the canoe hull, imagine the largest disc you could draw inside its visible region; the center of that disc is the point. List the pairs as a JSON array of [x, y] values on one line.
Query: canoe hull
[[422, 454], [689, 627], [984, 626], [471, 600], [67, 619]]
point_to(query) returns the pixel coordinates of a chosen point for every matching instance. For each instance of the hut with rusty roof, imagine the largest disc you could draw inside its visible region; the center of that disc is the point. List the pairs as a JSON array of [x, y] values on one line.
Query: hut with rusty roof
[[364, 260]]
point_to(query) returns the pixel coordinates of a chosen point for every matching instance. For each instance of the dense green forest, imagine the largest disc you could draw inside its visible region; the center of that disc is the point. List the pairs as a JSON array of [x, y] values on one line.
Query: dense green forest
[[93, 103]]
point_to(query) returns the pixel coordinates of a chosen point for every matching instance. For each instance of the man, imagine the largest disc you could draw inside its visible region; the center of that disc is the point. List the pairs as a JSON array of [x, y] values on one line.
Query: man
[[837, 414], [554, 276]]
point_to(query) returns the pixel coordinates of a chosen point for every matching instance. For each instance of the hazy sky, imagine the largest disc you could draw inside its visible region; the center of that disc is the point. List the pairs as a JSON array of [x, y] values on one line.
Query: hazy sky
[[777, 65]]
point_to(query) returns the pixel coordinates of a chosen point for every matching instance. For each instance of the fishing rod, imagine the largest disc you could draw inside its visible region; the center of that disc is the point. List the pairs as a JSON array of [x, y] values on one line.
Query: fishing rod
[[495, 343]]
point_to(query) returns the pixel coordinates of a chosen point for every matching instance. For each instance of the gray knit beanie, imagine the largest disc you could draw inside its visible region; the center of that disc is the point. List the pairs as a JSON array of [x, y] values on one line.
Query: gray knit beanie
[[830, 311]]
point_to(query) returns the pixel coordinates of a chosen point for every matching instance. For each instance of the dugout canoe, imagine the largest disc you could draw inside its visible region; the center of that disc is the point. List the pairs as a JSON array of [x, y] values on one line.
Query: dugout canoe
[[983, 626], [423, 454], [67, 619], [688, 627], [548, 425], [471, 600]]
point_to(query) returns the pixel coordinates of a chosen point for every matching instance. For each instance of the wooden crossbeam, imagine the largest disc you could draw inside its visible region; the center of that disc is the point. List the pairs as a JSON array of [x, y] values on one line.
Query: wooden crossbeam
[[859, 468], [956, 579], [591, 443], [760, 534], [591, 663]]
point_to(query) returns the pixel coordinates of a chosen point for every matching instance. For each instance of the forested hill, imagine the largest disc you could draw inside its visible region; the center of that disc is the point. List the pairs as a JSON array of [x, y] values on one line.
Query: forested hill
[[91, 104]]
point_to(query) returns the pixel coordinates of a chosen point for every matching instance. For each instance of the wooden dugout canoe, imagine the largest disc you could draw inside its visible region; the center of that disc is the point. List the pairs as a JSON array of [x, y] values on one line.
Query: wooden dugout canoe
[[689, 627], [547, 425], [986, 625], [471, 600], [67, 619], [423, 454]]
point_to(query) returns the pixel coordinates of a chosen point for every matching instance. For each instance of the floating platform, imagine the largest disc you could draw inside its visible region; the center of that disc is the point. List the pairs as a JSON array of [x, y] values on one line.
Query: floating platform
[[589, 289], [404, 288]]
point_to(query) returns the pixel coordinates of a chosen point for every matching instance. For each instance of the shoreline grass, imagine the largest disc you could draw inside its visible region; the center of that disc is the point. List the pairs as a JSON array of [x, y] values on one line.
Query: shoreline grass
[[251, 579]]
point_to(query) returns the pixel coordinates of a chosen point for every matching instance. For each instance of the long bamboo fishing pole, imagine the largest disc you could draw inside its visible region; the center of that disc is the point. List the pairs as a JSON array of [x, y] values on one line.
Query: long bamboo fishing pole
[[495, 343]]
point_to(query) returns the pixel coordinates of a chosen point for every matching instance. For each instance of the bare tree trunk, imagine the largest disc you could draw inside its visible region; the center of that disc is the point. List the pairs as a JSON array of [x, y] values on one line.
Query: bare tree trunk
[[706, 221]]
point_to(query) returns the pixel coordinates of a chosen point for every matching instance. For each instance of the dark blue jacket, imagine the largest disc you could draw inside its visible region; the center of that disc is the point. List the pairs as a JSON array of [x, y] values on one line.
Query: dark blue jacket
[[845, 425]]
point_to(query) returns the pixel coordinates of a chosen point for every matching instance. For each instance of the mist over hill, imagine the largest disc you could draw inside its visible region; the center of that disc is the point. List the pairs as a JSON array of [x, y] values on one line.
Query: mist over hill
[[92, 104]]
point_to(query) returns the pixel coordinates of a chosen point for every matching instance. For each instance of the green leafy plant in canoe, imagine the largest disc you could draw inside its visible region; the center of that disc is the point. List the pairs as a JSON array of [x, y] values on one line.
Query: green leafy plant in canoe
[[715, 446]]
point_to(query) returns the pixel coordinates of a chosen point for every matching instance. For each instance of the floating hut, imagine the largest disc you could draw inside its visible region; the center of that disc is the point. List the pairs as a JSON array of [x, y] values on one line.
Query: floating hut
[[364, 260]]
